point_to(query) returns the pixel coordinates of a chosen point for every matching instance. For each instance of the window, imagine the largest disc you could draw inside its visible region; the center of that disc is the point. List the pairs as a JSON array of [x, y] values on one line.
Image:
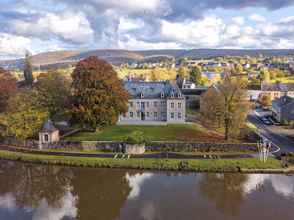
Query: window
[[131, 104], [179, 115], [147, 104], [147, 114], [138, 104], [162, 103], [162, 95], [179, 105], [138, 114], [142, 95], [131, 114], [172, 95], [155, 114], [172, 105], [155, 104], [179, 95], [46, 137], [162, 114], [172, 115]]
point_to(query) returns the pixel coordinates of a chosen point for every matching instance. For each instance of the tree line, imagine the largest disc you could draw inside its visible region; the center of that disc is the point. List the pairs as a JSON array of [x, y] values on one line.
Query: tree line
[[93, 96]]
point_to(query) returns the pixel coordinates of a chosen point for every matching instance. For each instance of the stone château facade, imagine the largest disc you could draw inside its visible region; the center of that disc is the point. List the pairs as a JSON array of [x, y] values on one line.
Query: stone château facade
[[154, 102]]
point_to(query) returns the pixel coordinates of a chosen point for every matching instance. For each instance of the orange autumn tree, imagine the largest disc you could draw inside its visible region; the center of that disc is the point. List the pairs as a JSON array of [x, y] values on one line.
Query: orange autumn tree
[[98, 96], [7, 88]]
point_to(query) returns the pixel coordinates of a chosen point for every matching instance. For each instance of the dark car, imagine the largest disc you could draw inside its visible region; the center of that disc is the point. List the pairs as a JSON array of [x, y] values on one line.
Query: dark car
[[266, 121]]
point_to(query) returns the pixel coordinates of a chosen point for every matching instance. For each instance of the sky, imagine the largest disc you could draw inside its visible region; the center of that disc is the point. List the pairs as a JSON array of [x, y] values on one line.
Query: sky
[[49, 25]]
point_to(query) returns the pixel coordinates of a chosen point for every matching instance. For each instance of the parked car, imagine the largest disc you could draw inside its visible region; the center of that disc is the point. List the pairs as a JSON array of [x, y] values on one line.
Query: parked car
[[266, 121]]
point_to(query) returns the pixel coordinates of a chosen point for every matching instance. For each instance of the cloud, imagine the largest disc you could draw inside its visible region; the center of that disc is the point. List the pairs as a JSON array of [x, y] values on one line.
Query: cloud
[[67, 209], [8, 202], [257, 18], [68, 26], [283, 185], [141, 24], [13, 45], [135, 182], [238, 20]]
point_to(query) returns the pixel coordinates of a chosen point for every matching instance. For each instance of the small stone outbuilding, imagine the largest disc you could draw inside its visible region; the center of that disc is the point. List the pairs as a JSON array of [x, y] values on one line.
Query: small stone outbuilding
[[48, 135]]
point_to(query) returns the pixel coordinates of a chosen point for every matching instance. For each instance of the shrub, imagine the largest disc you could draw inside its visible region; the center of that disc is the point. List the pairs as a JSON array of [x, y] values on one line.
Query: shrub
[[136, 137]]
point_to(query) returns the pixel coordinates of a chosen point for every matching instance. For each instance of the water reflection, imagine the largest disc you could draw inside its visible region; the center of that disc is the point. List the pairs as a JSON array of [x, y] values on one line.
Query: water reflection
[[226, 190], [46, 192]]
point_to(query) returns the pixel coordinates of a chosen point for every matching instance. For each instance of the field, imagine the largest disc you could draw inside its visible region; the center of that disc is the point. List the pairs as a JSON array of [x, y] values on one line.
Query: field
[[187, 132]]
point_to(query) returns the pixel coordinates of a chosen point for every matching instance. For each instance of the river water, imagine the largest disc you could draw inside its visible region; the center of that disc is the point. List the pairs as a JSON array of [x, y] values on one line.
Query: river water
[[29, 191]]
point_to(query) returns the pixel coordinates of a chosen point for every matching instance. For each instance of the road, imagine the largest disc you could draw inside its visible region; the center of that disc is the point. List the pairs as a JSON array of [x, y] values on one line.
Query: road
[[283, 142]]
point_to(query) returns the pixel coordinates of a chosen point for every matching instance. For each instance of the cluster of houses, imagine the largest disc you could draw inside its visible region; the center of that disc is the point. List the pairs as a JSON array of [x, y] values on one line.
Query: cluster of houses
[[280, 94]]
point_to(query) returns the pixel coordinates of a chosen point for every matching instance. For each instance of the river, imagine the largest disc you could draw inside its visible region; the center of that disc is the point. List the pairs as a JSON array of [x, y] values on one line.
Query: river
[[30, 191]]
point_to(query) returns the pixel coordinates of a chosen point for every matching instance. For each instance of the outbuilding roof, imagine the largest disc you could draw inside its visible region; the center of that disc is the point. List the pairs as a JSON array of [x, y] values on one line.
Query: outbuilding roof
[[49, 127]]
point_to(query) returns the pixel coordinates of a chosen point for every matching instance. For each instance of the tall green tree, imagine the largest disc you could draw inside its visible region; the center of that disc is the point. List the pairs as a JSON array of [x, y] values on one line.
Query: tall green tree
[[98, 96], [196, 76], [225, 105], [28, 69], [53, 93], [7, 88], [23, 118]]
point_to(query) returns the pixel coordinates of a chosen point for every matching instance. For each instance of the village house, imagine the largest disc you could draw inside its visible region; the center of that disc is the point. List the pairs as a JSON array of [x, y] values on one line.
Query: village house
[[154, 102], [277, 90], [283, 109]]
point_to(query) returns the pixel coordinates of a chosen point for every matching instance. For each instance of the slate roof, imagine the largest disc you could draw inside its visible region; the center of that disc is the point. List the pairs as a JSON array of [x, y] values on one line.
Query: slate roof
[[284, 100], [283, 87], [49, 127], [152, 90]]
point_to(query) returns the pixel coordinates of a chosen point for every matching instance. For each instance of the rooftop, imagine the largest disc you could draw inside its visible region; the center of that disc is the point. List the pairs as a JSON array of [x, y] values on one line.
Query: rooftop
[[152, 89], [283, 87], [49, 127], [284, 100]]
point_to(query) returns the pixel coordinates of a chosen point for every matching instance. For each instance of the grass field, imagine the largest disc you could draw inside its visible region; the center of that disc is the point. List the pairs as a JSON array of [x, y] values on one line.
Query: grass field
[[152, 133], [230, 165]]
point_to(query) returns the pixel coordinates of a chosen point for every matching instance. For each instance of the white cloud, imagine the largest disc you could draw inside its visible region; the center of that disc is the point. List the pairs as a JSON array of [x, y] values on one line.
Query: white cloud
[[135, 182], [12, 45], [126, 24], [130, 42], [283, 185], [238, 20], [201, 33], [8, 202], [257, 18], [67, 209], [68, 26]]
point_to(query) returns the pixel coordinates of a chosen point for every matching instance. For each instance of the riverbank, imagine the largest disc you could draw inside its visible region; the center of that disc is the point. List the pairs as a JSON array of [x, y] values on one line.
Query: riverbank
[[251, 165]]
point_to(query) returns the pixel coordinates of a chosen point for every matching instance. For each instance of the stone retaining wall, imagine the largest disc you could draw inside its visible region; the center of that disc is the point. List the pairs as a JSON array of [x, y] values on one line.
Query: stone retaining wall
[[154, 146]]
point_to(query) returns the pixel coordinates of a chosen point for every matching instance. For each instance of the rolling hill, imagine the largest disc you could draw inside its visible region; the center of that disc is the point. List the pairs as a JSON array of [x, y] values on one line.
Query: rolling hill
[[117, 57]]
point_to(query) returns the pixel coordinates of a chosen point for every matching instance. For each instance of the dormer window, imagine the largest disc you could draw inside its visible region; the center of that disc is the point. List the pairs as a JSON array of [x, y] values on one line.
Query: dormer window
[[142, 95], [179, 95], [162, 95], [172, 95]]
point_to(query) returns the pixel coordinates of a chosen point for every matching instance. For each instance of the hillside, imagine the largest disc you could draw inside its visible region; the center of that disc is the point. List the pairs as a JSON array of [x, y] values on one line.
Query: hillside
[[117, 57]]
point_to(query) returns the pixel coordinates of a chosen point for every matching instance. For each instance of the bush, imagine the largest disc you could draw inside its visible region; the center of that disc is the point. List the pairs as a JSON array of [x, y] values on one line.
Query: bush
[[136, 137]]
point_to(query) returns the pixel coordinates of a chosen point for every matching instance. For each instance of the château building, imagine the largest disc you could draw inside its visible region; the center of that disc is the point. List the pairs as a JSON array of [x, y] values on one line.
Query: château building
[[154, 102]]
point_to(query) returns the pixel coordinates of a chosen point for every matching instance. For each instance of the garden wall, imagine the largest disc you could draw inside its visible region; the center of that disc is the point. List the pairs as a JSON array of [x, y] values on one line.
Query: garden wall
[[154, 146]]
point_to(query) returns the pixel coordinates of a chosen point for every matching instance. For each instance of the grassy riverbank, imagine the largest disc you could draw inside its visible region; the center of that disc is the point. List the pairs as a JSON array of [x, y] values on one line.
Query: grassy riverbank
[[226, 165]]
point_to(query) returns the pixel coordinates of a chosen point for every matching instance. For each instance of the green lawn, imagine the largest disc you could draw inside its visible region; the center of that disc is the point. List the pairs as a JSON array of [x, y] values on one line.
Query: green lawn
[[186, 132], [230, 165]]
